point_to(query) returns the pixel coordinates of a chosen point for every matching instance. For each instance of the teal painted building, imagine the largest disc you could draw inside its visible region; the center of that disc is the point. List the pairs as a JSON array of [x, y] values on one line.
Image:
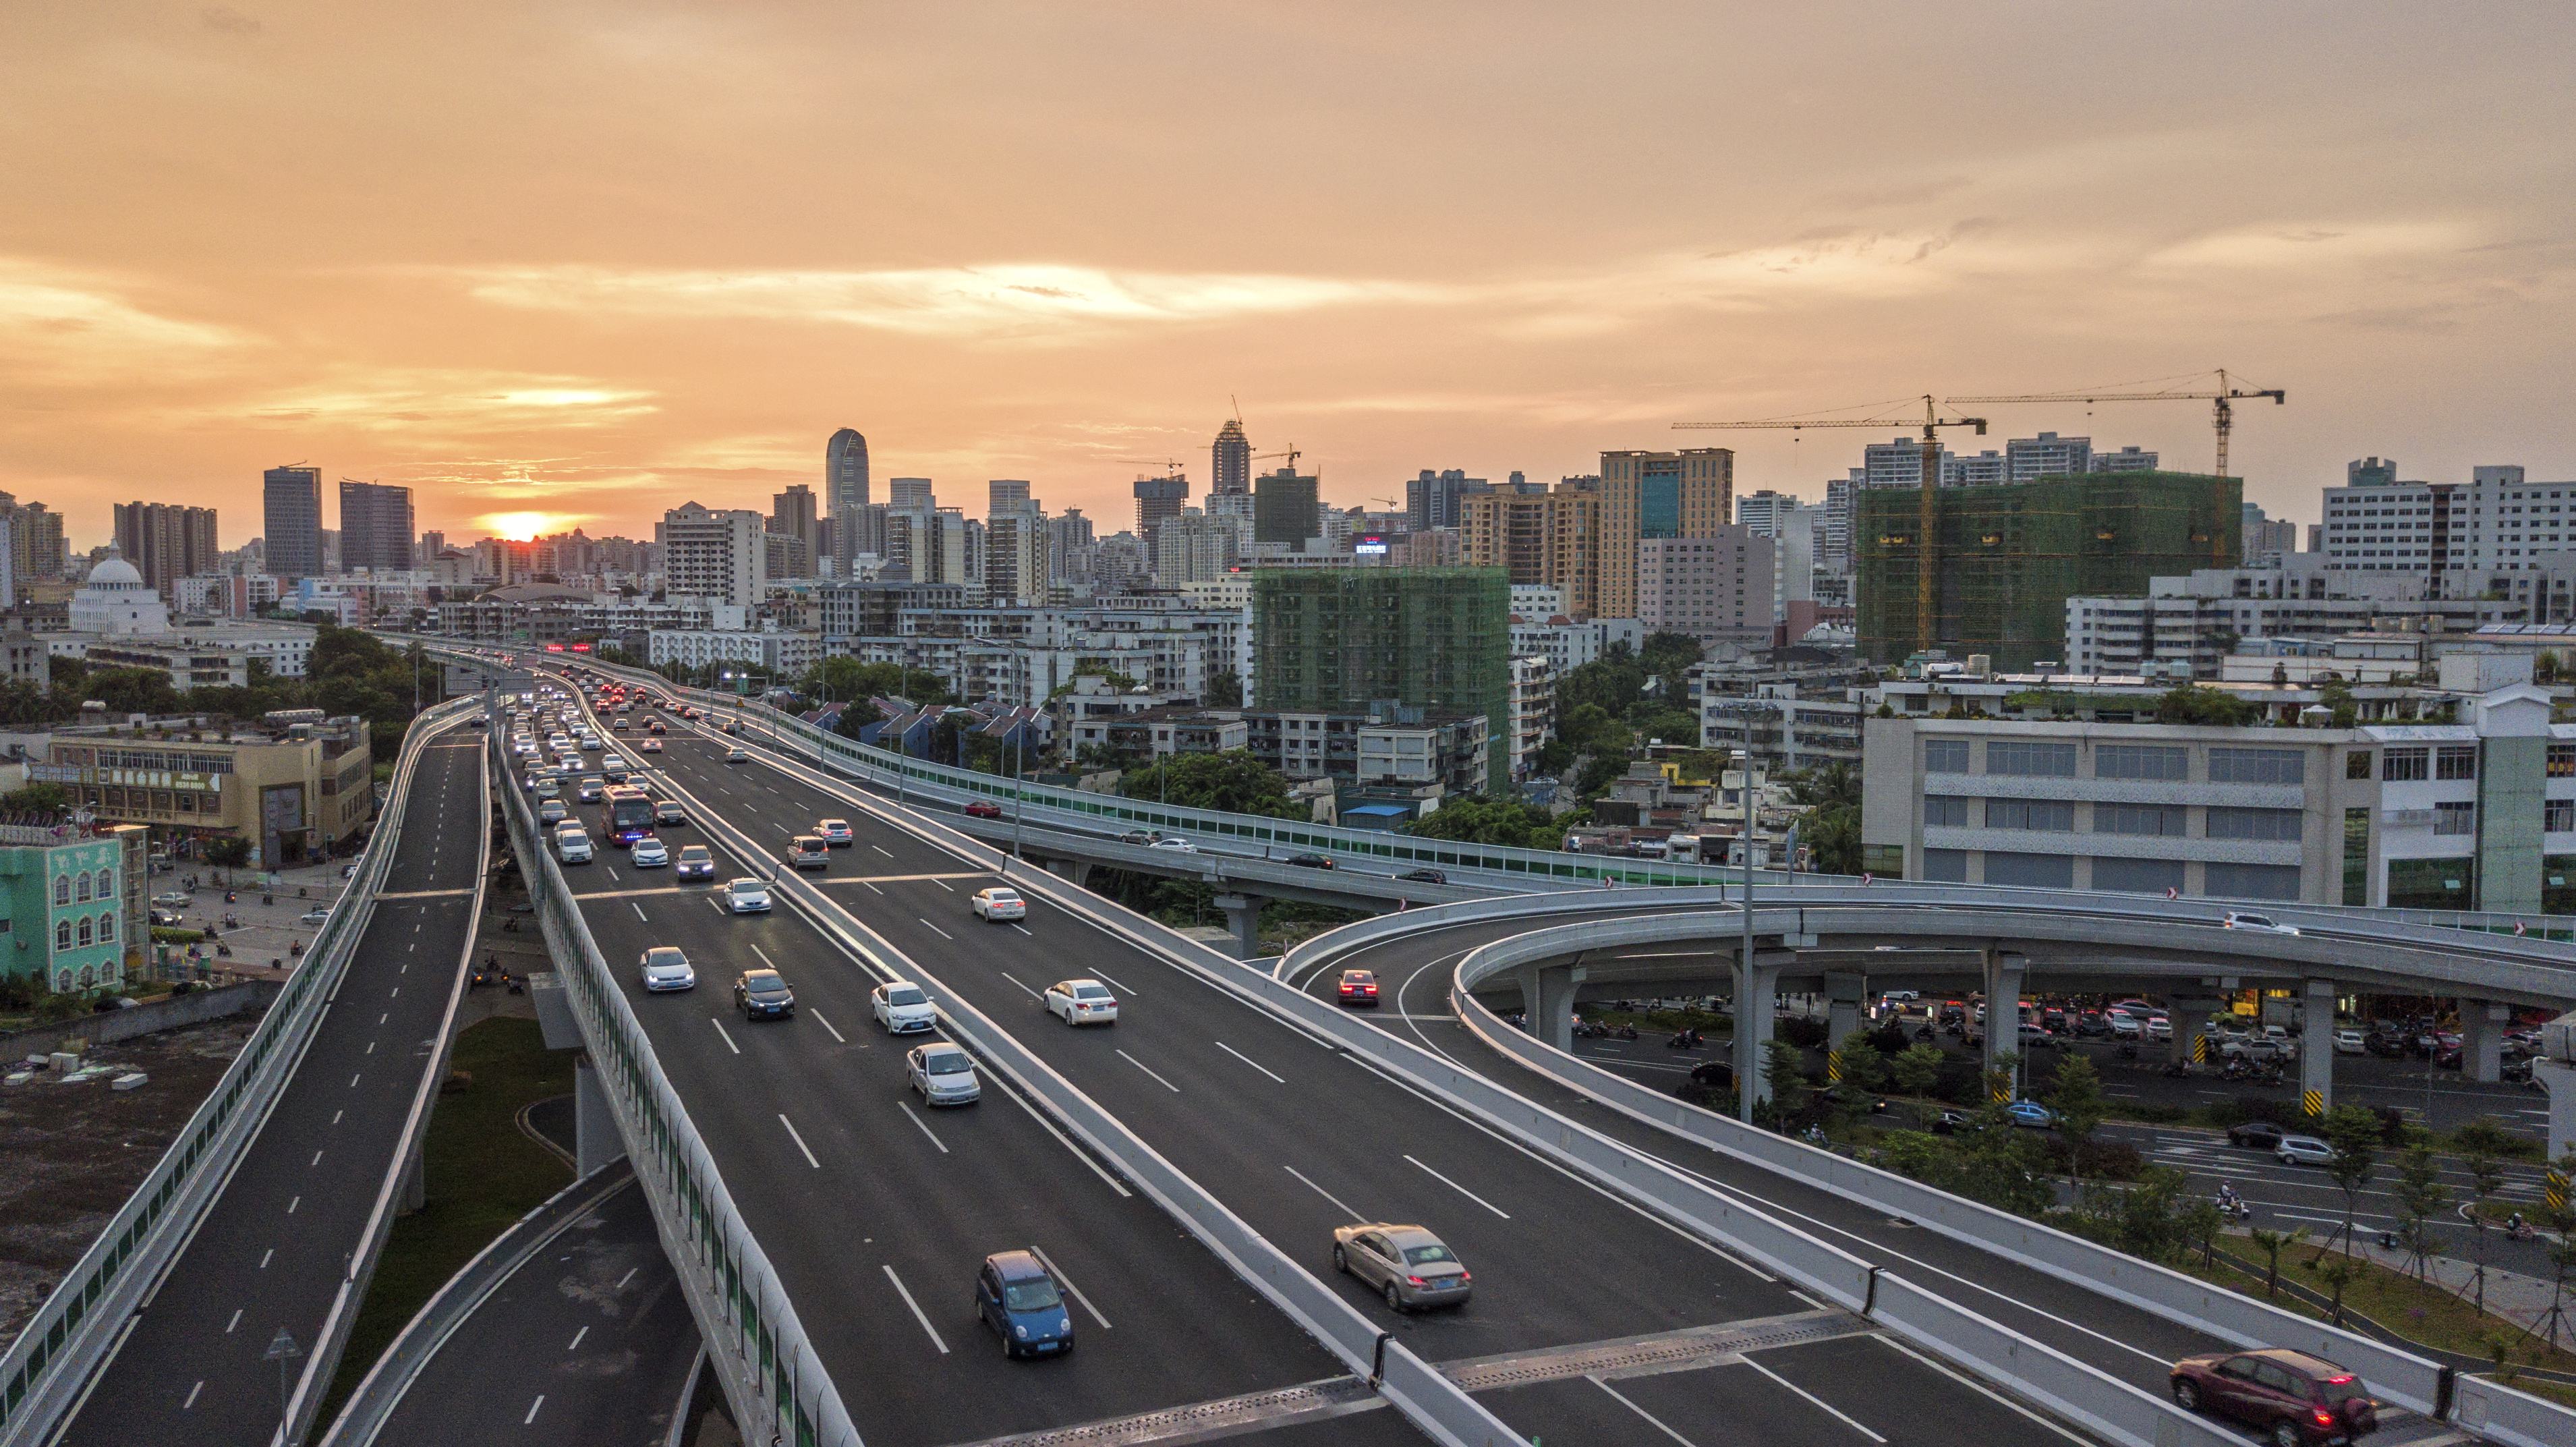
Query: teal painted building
[[62, 908]]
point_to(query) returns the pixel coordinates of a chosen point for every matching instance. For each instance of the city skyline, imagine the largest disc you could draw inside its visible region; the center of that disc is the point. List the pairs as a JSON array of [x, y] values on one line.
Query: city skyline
[[2301, 196]]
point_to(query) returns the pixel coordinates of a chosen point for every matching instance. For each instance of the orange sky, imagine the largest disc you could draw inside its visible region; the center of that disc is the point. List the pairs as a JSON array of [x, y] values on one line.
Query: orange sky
[[592, 259]]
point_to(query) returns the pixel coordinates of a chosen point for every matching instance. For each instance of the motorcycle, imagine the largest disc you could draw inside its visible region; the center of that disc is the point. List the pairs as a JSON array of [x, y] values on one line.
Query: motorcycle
[[1627, 1032]]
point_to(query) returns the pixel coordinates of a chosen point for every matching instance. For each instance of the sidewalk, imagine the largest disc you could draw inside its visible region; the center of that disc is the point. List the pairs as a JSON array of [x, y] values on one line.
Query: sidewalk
[[267, 932], [2522, 1300]]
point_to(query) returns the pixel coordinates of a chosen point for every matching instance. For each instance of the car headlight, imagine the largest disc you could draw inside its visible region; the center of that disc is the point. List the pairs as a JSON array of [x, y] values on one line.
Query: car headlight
[[1023, 1332]]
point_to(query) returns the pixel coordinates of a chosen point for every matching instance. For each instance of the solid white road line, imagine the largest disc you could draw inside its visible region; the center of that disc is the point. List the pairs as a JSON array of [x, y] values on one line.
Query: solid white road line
[[1652, 1420], [917, 1313], [639, 910], [1820, 1402], [934, 929], [1975, 1386], [264, 1256], [1248, 1060], [629, 1276], [1320, 1191], [727, 1034], [192, 1395], [765, 959], [800, 1141], [532, 1409], [1066, 1282], [1014, 979], [236, 1321], [1122, 989], [826, 1024], [575, 1344], [1149, 1070], [922, 1125], [1461, 1190]]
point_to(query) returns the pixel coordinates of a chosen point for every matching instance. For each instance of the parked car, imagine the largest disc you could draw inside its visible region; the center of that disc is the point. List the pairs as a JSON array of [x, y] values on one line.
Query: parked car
[[1019, 1300], [1359, 988], [943, 1074], [998, 903], [313, 918], [2350, 1042], [2126, 1027], [174, 899], [2256, 1135], [763, 995], [2303, 1150], [983, 809], [2293, 1398], [1409, 1266], [2030, 1113], [1082, 1002], [902, 1008], [665, 967]]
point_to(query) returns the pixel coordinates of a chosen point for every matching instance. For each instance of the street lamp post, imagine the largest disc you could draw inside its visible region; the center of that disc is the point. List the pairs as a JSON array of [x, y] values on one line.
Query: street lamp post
[[1748, 981]]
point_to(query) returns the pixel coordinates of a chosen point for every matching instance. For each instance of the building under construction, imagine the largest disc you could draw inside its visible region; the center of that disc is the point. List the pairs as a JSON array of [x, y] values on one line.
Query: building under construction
[[2005, 558], [1342, 639]]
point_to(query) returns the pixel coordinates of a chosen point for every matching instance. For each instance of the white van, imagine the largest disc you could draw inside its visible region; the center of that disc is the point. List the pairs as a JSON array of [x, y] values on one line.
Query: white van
[[572, 844]]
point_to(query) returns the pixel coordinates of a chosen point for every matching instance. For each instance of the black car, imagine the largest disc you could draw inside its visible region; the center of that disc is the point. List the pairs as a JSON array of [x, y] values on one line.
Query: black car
[[2256, 1135], [1423, 876], [1311, 861], [763, 995]]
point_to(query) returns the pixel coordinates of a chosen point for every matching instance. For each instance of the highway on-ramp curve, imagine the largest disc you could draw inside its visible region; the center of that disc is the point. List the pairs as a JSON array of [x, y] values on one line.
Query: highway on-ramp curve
[[1592, 1322]]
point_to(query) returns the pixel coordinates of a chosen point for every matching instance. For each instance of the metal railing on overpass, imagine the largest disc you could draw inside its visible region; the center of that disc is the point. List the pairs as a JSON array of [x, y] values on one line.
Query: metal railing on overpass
[[75, 1333]]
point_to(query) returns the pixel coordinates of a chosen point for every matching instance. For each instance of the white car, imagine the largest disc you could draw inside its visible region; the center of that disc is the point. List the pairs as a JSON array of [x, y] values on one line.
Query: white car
[[552, 811], [747, 896], [649, 854], [174, 899], [835, 832], [612, 761], [2350, 1042], [737, 755], [1082, 1002], [313, 917], [2303, 1150], [665, 968], [572, 844], [590, 743], [2159, 1027], [902, 1008], [944, 1074], [649, 746], [2259, 923], [999, 904], [2125, 1026], [1176, 844]]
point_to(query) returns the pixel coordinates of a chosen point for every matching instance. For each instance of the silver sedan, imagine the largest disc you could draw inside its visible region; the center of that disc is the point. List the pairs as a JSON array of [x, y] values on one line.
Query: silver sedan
[[1407, 1265]]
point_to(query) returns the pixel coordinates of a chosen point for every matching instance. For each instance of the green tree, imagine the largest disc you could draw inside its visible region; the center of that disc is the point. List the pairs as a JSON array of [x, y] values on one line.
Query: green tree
[[2200, 1221], [2338, 1274], [2420, 1196], [2354, 1134], [1490, 821], [2272, 1244], [39, 798], [1832, 837], [2191, 704], [1226, 690], [2076, 1096], [132, 690], [1785, 1071], [1864, 1068], [1916, 1068], [1234, 781], [2486, 1177], [229, 852]]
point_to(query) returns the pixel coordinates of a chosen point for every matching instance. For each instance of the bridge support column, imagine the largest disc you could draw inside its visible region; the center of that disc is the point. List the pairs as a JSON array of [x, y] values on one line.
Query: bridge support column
[[1754, 990], [1845, 997], [1243, 916], [596, 1141], [2316, 1046], [2559, 1079], [1547, 1000], [2482, 1040], [2003, 1017], [2187, 1013], [1076, 872]]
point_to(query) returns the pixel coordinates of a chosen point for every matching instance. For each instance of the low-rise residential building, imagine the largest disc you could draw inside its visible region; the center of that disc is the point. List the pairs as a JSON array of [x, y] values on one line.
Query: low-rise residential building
[[780, 655], [1404, 747], [1782, 729], [2184, 627], [1533, 710], [1568, 645], [296, 784], [71, 906]]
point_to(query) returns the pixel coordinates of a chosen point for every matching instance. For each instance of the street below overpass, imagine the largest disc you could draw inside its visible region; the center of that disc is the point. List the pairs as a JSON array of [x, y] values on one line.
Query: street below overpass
[[1591, 1322]]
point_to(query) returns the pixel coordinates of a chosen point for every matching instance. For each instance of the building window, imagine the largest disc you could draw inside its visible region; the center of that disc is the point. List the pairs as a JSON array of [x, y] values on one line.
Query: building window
[[62, 889], [2558, 816], [2455, 761], [2562, 761], [2455, 819], [2141, 761], [1945, 756], [2257, 766], [2251, 881], [1944, 812], [2030, 759], [2054, 816], [2271, 824], [2031, 871], [106, 929], [2356, 765], [2408, 765], [2168, 821], [63, 935], [2356, 857], [2137, 876], [86, 931]]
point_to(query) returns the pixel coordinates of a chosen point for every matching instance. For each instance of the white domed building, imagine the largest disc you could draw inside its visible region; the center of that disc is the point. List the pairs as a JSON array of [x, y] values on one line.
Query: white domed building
[[117, 603]]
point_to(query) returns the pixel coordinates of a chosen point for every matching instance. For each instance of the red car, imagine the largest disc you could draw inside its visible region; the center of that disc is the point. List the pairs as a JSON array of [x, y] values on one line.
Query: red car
[[983, 809], [2294, 1399], [1359, 988]]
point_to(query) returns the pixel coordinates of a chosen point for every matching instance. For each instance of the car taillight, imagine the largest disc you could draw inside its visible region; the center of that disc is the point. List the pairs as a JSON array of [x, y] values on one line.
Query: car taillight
[[1418, 1281], [2324, 1417]]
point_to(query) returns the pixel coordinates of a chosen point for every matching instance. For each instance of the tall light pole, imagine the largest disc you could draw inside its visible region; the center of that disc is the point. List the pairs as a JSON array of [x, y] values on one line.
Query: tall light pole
[[1748, 1061], [1019, 794]]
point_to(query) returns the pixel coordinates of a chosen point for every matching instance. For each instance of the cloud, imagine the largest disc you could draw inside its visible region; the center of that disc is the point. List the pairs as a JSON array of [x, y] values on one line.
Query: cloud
[[69, 324], [449, 403], [2307, 247]]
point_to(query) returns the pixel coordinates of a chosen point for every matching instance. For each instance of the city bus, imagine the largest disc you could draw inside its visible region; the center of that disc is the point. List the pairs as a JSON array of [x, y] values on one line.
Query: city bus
[[627, 813]]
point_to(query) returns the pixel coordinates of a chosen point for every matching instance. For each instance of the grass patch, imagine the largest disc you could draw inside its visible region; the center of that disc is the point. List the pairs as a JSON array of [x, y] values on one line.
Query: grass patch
[[483, 1175], [2415, 1310]]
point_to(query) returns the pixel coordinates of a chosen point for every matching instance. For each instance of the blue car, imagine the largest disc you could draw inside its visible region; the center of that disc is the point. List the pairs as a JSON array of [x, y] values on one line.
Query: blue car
[[2031, 1113], [1016, 1297]]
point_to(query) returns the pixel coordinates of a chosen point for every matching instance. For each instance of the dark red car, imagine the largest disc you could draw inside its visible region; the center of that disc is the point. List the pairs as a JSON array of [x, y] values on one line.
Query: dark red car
[[2294, 1399], [1359, 987], [983, 809]]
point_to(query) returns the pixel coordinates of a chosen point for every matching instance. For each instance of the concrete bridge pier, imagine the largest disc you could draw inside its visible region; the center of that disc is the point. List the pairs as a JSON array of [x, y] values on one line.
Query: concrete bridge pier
[[1846, 997], [2003, 1015], [1547, 999], [1076, 872], [2188, 1013], [596, 1141], [1243, 916], [1754, 992], [2482, 1028], [2559, 1079], [2316, 1044]]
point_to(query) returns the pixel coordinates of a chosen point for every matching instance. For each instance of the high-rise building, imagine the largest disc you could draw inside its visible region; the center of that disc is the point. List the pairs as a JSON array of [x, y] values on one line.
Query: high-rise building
[[1344, 639], [909, 492], [929, 544], [1192, 548], [291, 507], [1158, 498], [1016, 561], [166, 542], [845, 471], [1230, 461], [2007, 557], [1438, 499], [1716, 589], [1006, 494], [1068, 537], [375, 527], [1684, 494], [1286, 508], [1797, 530], [793, 514], [720, 556], [2266, 537], [1543, 538]]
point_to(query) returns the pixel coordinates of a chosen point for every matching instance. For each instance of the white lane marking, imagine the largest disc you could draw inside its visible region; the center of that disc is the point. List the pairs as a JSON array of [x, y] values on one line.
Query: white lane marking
[[765, 959], [1978, 1387], [1024, 929], [712, 904], [1248, 1060], [317, 1160], [1122, 989], [371, 1047], [1320, 1191], [380, 1019], [872, 886], [881, 849], [1014, 979], [353, 1081], [236, 1321], [917, 1313], [800, 1141], [192, 1395], [1149, 1070], [629, 1276], [291, 1205], [263, 1257], [944, 884], [612, 870], [1820, 1402], [826, 1024], [934, 929], [532, 1409], [1066, 1282], [923, 1126], [1652, 1420], [575, 1344], [1461, 1190], [727, 1034], [397, 994]]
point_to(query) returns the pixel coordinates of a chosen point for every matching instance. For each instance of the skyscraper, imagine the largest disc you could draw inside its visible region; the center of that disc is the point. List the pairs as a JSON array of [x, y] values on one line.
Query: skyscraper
[[1230, 461], [910, 492], [1437, 499], [845, 471], [1550, 538], [792, 515], [291, 508], [1006, 494], [1685, 494], [166, 542], [375, 527], [1158, 498], [716, 555], [1342, 639], [1285, 508]]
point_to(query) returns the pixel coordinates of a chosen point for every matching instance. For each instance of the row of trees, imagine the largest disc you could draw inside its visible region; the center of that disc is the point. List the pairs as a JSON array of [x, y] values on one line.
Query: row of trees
[[349, 672]]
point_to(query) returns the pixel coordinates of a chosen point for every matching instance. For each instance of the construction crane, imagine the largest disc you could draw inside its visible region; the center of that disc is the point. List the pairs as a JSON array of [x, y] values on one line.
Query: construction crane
[[1292, 454], [1171, 467], [2223, 398], [1925, 570]]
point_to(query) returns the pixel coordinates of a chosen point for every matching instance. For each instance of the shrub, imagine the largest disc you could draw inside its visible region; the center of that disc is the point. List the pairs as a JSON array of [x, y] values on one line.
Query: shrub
[[1802, 1032]]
